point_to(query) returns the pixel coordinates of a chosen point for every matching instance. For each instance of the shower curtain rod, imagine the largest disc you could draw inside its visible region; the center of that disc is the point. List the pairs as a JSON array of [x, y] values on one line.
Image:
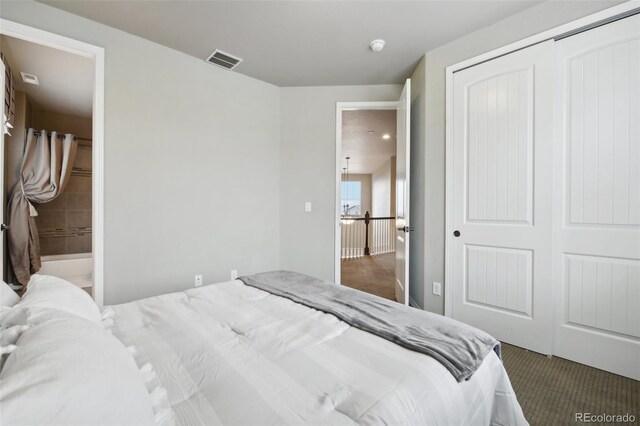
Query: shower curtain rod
[[78, 138]]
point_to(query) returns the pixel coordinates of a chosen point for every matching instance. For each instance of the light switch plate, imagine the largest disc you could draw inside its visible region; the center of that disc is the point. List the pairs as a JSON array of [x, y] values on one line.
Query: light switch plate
[[307, 206], [234, 274], [198, 280], [437, 288]]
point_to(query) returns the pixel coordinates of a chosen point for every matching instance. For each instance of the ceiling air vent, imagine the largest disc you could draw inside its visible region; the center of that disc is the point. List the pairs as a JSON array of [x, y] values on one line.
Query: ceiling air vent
[[223, 59]]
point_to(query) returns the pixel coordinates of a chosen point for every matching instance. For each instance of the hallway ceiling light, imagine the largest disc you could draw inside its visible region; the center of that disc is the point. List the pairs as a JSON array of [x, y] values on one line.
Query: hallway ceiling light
[[386, 136], [377, 45]]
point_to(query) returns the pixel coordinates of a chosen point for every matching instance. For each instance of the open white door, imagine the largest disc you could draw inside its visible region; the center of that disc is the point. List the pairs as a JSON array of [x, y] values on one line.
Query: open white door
[[500, 234], [403, 146]]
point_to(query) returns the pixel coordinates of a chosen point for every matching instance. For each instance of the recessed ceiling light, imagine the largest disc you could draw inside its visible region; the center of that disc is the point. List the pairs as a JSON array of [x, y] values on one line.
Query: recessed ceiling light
[[386, 136], [377, 45], [29, 78]]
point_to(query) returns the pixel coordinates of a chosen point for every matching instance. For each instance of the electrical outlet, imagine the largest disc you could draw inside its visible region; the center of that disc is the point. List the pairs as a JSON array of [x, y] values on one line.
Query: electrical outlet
[[437, 288], [234, 274], [198, 280]]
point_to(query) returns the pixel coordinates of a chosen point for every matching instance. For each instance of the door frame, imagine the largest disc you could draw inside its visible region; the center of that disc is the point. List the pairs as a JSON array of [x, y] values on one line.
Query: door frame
[[591, 21], [3, 140], [340, 107], [95, 53]]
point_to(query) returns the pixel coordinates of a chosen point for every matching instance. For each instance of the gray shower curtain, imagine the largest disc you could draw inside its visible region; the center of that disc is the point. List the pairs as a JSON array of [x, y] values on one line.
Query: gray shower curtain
[[46, 168]]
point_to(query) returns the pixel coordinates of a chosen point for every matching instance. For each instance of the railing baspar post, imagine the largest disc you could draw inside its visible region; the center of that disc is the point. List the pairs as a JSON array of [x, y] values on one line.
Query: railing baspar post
[[367, 252]]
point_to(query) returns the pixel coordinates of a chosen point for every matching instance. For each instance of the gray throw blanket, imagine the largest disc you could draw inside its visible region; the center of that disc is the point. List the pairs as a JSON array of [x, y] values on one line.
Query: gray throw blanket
[[457, 346]]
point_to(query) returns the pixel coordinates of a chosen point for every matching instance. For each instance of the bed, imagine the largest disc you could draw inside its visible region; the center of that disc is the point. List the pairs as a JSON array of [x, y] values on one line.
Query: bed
[[230, 353]]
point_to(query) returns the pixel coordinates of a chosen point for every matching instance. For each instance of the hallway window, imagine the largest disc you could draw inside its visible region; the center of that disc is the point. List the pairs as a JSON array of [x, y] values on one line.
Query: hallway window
[[351, 193]]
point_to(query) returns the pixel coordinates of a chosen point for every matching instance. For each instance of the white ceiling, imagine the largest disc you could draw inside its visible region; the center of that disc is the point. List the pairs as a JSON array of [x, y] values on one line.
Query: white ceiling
[[302, 43], [66, 80], [368, 151]]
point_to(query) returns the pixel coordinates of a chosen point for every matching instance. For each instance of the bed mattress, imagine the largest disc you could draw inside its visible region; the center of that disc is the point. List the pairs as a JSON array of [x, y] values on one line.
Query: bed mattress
[[232, 354]]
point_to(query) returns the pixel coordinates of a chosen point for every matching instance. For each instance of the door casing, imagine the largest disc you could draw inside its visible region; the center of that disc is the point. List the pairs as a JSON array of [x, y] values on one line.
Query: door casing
[[95, 53], [340, 107]]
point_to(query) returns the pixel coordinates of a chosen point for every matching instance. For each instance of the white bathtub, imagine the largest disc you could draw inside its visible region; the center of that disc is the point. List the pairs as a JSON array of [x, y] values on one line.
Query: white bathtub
[[75, 268]]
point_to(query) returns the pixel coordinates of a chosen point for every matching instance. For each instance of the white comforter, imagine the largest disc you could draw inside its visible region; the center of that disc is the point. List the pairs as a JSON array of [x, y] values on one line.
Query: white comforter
[[232, 354]]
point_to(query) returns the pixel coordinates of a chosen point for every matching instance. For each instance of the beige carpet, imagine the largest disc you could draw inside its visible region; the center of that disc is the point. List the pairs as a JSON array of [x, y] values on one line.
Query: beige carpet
[[552, 390], [372, 274]]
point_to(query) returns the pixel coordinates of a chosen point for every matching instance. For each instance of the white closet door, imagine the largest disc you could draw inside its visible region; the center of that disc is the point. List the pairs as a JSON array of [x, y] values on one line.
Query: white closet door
[[501, 198], [597, 198]]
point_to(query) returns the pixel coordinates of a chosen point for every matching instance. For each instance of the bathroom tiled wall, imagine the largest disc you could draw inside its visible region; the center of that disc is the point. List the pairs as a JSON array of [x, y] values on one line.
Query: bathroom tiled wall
[[64, 224]]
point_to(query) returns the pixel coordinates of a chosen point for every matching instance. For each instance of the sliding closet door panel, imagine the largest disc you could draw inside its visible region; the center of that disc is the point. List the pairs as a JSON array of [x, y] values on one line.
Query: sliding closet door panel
[[500, 148], [502, 144], [597, 209], [602, 96]]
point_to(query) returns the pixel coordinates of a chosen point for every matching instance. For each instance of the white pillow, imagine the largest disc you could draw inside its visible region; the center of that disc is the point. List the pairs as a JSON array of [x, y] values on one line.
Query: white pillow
[[8, 297], [45, 291], [67, 370]]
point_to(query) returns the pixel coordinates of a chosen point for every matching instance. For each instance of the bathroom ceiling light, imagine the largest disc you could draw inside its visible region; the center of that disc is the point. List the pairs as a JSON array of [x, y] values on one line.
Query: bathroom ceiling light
[[30, 78], [377, 45], [386, 136]]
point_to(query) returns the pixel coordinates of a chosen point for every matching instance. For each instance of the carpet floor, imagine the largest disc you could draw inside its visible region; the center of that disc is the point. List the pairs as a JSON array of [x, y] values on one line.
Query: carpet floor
[[372, 274], [552, 390]]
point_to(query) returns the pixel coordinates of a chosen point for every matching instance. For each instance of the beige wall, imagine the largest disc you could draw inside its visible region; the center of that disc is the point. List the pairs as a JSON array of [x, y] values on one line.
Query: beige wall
[[392, 195], [308, 172], [61, 123], [383, 199], [191, 162], [365, 187]]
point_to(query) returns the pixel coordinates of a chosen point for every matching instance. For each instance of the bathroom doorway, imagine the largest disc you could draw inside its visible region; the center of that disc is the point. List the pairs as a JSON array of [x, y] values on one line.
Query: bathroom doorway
[[56, 99]]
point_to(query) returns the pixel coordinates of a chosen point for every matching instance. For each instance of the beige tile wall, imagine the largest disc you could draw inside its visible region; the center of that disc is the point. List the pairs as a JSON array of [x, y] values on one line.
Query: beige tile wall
[[64, 224]]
